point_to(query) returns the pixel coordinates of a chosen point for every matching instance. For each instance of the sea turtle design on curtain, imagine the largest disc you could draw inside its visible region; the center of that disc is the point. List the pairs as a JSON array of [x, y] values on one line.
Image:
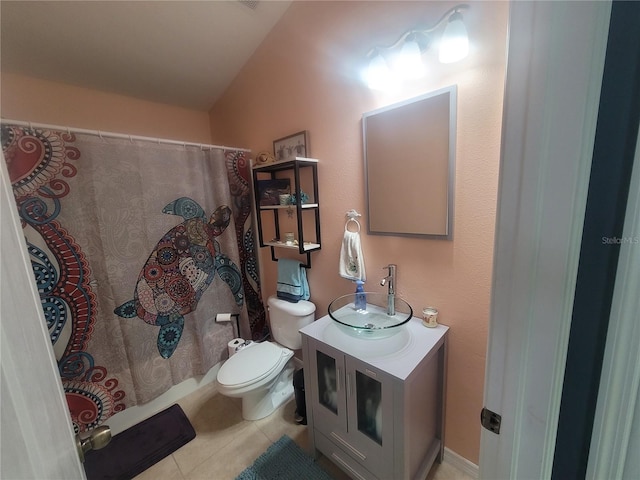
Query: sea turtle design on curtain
[[178, 271]]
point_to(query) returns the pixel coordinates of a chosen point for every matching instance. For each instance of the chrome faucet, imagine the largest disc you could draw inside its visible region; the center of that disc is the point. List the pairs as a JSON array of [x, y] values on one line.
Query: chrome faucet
[[390, 281]]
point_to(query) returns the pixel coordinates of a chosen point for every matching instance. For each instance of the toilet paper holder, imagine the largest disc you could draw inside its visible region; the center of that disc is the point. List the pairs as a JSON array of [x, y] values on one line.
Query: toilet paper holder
[[226, 317]]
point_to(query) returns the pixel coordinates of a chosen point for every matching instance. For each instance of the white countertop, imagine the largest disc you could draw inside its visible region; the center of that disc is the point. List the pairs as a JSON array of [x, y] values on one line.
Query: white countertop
[[397, 355]]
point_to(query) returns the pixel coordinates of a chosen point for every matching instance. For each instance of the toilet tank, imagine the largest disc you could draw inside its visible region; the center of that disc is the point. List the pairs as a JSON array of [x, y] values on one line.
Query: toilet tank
[[287, 318]]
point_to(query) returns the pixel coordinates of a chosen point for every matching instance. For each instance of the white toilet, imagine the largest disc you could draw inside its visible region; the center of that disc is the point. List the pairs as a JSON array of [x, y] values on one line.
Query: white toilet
[[262, 373]]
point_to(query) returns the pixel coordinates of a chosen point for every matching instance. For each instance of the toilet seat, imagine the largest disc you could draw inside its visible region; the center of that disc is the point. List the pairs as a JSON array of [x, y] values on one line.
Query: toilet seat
[[252, 364]]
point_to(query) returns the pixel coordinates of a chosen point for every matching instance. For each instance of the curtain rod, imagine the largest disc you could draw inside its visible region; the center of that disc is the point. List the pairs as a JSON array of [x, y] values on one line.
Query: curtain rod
[[100, 133]]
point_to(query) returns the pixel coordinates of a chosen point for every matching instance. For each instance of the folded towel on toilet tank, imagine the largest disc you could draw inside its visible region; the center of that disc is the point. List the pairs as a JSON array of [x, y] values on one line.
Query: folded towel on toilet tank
[[292, 281]]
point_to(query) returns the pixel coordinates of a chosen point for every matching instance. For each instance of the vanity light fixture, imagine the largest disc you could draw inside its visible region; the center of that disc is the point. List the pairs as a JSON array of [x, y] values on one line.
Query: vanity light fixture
[[403, 59], [454, 45], [408, 63], [379, 75]]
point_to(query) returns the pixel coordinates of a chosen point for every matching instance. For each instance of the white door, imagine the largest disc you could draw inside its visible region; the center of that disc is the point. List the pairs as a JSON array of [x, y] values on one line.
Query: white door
[[555, 64], [37, 434]]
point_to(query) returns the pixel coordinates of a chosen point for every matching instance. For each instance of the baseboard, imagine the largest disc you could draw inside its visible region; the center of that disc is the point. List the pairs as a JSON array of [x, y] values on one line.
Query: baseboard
[[461, 463]]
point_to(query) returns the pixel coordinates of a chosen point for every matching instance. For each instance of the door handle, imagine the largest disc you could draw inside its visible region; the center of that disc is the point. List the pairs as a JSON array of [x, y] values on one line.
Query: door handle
[[97, 439]]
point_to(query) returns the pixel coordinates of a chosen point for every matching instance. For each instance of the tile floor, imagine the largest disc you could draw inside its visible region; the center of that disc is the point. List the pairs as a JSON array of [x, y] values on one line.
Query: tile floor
[[225, 444]]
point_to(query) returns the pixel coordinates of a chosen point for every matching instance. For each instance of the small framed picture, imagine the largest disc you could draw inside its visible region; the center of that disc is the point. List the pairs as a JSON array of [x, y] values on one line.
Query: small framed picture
[[270, 190], [288, 148]]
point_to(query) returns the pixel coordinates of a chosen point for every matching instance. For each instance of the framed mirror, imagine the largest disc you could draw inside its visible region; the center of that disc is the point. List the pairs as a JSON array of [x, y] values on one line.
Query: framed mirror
[[409, 155]]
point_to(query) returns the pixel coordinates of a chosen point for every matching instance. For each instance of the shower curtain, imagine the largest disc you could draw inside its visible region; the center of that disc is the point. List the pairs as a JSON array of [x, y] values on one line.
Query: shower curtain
[[135, 247]]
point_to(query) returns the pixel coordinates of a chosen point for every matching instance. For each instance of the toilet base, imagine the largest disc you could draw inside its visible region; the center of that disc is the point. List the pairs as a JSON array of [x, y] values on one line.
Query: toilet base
[[263, 403]]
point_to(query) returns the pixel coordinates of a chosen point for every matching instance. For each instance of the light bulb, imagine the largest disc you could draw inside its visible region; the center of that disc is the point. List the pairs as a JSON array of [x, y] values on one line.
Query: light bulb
[[408, 64], [454, 45], [379, 76]]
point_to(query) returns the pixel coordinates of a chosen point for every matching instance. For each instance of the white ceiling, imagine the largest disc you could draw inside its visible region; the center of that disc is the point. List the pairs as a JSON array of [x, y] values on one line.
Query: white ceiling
[[182, 53]]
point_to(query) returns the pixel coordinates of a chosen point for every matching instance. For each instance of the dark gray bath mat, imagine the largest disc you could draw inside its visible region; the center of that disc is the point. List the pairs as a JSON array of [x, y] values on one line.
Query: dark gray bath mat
[[133, 451]]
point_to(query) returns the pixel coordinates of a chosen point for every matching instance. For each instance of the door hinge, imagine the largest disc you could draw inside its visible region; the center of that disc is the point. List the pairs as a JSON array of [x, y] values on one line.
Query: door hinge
[[490, 420]]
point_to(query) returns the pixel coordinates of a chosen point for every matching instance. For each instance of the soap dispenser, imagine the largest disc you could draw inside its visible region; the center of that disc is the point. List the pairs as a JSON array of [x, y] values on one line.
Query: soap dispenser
[[361, 297]]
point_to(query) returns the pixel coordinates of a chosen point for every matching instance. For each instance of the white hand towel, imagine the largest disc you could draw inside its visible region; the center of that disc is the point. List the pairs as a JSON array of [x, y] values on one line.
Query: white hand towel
[[351, 257]]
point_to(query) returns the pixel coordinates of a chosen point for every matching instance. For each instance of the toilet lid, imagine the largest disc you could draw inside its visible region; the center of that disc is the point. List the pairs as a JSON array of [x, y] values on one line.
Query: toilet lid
[[250, 364]]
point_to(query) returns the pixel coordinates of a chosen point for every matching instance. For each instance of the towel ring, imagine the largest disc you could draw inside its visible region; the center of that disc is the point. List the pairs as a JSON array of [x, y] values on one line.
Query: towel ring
[[346, 225]]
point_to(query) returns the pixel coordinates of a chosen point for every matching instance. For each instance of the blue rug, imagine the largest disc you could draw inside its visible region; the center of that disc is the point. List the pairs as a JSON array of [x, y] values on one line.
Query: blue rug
[[284, 460]]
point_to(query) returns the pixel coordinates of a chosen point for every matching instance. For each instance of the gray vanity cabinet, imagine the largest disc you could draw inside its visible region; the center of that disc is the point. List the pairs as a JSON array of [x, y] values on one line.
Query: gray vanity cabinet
[[375, 407]]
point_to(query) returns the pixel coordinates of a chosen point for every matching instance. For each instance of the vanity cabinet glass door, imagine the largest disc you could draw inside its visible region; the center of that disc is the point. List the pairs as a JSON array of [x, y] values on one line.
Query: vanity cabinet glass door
[[369, 415], [329, 401]]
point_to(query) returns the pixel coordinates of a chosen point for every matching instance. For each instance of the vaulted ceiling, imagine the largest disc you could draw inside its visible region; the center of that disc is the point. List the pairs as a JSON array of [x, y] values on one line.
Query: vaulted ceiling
[[183, 53]]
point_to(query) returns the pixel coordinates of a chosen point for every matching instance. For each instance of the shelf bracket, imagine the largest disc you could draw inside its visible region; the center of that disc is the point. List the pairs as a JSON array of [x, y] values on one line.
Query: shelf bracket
[[307, 265]]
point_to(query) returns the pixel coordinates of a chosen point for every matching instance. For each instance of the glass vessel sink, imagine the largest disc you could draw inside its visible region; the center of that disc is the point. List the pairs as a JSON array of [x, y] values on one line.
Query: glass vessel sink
[[372, 321]]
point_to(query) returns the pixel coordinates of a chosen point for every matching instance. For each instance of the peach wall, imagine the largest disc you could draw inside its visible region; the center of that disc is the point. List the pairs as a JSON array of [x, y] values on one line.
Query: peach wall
[[40, 101], [305, 75]]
